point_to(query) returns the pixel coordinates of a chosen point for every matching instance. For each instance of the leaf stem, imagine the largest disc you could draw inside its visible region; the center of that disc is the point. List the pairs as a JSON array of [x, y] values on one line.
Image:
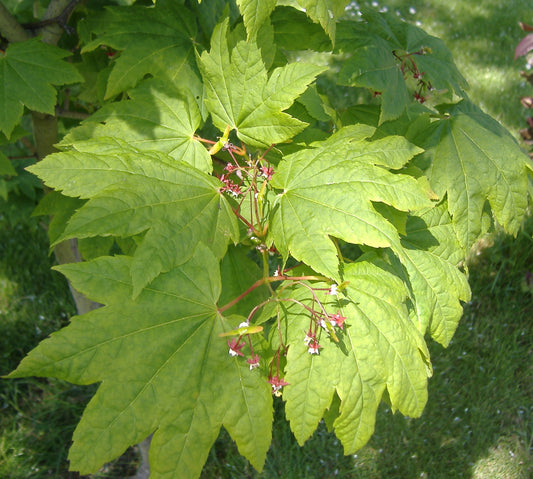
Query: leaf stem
[[266, 269], [268, 280]]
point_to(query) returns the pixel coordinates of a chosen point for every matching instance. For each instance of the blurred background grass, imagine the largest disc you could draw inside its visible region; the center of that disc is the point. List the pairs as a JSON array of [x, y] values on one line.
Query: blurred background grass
[[479, 419]]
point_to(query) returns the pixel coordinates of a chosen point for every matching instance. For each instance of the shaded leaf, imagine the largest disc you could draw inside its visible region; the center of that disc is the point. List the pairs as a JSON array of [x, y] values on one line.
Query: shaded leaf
[[155, 40], [293, 30], [238, 273], [6, 168], [28, 72], [375, 51], [375, 67]]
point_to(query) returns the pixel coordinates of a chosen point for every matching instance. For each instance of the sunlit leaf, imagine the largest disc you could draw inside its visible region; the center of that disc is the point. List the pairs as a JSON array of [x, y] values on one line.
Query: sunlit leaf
[[241, 94], [131, 192], [163, 353]]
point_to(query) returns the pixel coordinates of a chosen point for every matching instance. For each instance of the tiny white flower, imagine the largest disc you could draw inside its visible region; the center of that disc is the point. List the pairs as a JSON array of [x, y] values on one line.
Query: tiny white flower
[[313, 347], [333, 290]]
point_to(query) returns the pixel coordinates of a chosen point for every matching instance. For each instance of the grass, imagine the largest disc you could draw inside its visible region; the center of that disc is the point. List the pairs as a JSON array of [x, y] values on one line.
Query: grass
[[479, 419]]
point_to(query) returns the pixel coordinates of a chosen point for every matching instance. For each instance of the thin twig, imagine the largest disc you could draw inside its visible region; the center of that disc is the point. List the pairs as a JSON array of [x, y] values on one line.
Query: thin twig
[[61, 19], [76, 115]]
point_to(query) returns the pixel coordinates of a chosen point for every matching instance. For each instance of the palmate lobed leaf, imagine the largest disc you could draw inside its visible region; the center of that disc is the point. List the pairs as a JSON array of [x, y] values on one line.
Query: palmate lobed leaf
[[329, 190], [157, 117], [431, 255], [153, 40], [255, 13], [28, 71], [162, 366], [374, 48], [474, 160], [241, 94], [131, 192], [379, 348]]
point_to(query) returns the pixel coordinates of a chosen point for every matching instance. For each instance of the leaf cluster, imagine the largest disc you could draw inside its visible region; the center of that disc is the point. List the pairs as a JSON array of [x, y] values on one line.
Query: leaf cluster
[[226, 201]]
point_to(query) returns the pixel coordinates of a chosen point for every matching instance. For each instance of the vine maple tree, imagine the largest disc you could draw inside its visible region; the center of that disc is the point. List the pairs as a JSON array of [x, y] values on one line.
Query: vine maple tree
[[271, 198]]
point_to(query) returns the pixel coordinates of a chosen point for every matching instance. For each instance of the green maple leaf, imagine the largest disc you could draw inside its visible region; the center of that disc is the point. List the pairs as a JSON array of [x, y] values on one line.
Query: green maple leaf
[[295, 31], [156, 41], [375, 48], [329, 191], [157, 117], [131, 192], [242, 95], [6, 168], [431, 254], [162, 366], [325, 12], [28, 71], [375, 67], [369, 357], [474, 160], [255, 13]]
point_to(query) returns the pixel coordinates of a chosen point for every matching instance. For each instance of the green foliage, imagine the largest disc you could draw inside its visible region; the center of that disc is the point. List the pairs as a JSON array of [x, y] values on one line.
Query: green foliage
[[150, 39], [27, 72], [360, 218], [240, 94], [376, 49], [157, 117]]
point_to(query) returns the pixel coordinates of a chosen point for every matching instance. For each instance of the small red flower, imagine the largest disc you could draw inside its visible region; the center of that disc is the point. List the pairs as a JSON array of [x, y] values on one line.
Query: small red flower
[[235, 347], [337, 320], [277, 383], [309, 336], [313, 347], [230, 187], [253, 361], [419, 98], [267, 172]]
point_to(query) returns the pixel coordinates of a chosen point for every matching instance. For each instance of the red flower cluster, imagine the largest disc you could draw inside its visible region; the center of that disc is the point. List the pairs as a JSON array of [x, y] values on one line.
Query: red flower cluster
[[230, 187]]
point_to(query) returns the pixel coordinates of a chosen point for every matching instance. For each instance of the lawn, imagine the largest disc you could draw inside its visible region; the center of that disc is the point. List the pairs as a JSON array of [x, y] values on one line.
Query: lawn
[[479, 419]]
